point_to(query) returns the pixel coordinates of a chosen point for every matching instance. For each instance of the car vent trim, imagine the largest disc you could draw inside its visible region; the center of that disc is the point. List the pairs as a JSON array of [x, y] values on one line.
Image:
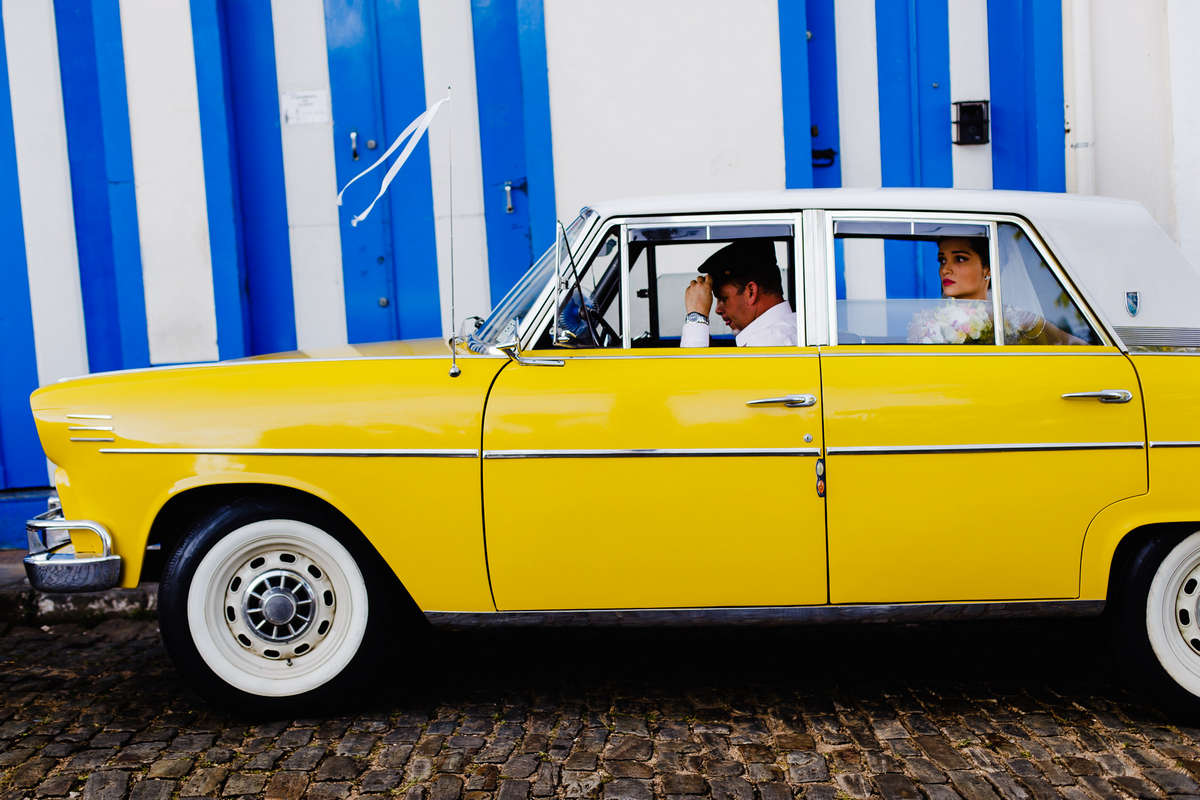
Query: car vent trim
[[980, 448], [720, 452], [1140, 336], [291, 451]]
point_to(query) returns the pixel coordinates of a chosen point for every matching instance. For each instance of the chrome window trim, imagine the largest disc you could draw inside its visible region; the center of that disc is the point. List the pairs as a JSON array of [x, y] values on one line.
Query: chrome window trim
[[815, 278], [998, 335], [774, 615], [592, 238], [626, 336], [335, 452], [649, 452], [1014, 447], [970, 217]]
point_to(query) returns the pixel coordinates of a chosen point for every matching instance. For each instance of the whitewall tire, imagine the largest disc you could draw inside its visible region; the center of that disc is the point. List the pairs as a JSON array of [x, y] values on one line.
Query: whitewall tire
[[1173, 614], [264, 607]]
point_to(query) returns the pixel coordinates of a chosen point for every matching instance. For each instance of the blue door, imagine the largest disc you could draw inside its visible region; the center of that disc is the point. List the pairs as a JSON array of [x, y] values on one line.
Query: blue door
[[389, 261]]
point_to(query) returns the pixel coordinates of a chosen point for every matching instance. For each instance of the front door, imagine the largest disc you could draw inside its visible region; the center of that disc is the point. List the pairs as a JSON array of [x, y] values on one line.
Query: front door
[[646, 476], [964, 466]]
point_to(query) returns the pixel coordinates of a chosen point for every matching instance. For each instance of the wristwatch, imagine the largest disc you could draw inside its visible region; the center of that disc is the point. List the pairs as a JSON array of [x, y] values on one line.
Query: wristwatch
[[696, 316]]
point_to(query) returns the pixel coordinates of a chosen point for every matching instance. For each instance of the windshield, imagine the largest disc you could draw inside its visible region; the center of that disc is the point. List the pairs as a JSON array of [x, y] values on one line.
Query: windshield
[[506, 318]]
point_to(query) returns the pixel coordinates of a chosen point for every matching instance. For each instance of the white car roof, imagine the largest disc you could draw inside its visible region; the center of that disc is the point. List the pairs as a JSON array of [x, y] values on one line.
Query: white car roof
[[1108, 246]]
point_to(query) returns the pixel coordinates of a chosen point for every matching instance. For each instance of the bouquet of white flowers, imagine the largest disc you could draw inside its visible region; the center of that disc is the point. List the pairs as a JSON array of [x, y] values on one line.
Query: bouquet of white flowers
[[970, 322]]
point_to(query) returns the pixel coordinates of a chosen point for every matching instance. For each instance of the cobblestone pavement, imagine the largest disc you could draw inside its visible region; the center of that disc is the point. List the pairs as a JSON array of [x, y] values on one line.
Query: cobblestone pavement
[[1012, 710]]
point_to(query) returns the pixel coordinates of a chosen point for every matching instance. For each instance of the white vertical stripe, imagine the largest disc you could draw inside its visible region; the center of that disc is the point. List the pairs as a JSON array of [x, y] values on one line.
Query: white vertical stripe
[[1077, 96], [1183, 24], [661, 97], [858, 130], [858, 92], [45, 185], [168, 178], [448, 50], [310, 179], [969, 81]]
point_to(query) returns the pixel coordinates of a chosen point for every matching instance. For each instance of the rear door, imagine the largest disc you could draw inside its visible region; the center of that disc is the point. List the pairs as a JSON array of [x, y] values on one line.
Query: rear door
[[967, 467]]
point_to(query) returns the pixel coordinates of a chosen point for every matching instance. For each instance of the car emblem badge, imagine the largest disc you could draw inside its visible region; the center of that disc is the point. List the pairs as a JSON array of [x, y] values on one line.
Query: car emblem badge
[[1131, 302]]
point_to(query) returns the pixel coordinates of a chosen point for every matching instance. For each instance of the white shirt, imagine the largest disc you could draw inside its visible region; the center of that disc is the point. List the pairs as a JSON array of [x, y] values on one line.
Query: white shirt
[[773, 328]]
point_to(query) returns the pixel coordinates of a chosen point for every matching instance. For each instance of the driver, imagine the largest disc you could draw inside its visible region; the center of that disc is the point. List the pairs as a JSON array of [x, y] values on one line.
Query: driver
[[744, 279]]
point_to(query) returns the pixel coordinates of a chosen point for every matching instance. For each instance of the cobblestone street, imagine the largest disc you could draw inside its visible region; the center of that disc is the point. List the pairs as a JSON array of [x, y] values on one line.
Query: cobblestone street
[[1012, 710]]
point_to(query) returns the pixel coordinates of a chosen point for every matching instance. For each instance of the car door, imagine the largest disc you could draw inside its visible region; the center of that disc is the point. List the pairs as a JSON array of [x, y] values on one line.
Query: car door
[[644, 475], [961, 465]]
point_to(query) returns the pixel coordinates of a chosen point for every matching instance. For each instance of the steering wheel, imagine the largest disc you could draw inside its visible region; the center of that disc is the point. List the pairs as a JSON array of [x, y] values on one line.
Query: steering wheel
[[585, 328]]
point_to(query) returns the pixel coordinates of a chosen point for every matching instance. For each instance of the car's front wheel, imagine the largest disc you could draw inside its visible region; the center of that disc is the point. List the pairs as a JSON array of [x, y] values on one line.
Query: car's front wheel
[[1158, 621], [265, 609]]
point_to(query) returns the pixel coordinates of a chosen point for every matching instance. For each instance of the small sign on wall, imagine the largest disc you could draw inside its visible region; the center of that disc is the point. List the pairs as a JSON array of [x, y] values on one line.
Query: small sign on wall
[[309, 107]]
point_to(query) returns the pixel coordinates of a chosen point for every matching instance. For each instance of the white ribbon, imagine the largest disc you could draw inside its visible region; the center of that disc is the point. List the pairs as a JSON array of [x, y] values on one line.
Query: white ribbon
[[417, 129]]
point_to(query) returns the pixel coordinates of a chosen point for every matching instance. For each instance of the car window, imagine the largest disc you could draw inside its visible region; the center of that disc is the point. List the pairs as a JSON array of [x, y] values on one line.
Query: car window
[[1037, 308], [662, 262], [930, 282], [912, 282], [665, 259]]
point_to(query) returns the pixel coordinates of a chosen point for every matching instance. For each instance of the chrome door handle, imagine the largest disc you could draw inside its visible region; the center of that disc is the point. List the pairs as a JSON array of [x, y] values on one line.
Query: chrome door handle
[[791, 401], [1104, 396]]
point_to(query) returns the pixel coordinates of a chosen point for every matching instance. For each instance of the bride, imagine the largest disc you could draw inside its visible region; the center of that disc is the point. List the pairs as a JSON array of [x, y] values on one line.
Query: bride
[[965, 316]]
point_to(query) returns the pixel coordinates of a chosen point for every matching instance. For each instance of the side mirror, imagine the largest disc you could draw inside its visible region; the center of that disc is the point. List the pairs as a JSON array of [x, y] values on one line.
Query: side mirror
[[512, 349]]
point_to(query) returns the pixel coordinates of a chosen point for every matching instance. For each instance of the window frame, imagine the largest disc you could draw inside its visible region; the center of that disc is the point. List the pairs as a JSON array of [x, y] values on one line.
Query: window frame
[[824, 254], [594, 238]]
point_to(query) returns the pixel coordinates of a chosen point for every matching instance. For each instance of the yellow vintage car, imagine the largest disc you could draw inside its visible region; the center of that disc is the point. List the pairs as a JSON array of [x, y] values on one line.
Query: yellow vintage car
[[901, 405]]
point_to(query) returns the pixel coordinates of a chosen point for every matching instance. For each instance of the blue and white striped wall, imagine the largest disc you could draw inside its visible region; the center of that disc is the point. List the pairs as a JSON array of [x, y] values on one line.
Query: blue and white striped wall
[[169, 169]]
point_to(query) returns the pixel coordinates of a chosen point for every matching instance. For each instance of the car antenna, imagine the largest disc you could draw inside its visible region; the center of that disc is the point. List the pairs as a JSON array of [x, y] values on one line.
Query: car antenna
[[454, 370]]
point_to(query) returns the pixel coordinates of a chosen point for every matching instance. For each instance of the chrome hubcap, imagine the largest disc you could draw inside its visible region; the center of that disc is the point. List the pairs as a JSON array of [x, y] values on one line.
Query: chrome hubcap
[[279, 605], [1187, 609]]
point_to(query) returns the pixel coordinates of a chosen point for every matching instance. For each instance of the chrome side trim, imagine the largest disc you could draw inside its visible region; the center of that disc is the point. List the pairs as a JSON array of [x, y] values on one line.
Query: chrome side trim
[[771, 615], [739, 352], [719, 452], [289, 451], [966, 350], [92, 439], [89, 416], [1175, 444], [981, 448]]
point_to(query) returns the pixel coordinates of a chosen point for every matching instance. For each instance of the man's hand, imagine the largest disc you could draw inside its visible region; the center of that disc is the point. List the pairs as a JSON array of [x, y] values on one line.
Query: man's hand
[[698, 296]]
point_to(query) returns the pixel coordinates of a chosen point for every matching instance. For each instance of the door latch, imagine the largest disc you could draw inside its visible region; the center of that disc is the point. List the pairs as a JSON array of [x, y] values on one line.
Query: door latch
[[354, 145]]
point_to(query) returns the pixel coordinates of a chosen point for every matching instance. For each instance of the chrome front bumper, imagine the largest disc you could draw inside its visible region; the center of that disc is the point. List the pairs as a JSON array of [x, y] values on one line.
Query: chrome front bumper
[[52, 564]]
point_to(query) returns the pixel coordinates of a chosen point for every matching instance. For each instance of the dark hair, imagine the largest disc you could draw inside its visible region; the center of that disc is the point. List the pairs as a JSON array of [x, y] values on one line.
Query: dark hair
[[744, 261], [978, 245]]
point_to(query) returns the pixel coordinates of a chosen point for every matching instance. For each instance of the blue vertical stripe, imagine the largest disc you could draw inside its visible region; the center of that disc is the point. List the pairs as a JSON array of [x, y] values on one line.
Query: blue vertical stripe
[[258, 145], [368, 261], [913, 50], [21, 460], [797, 118], [410, 199], [210, 41], [1025, 69], [539, 149], [96, 114], [501, 141], [823, 90]]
